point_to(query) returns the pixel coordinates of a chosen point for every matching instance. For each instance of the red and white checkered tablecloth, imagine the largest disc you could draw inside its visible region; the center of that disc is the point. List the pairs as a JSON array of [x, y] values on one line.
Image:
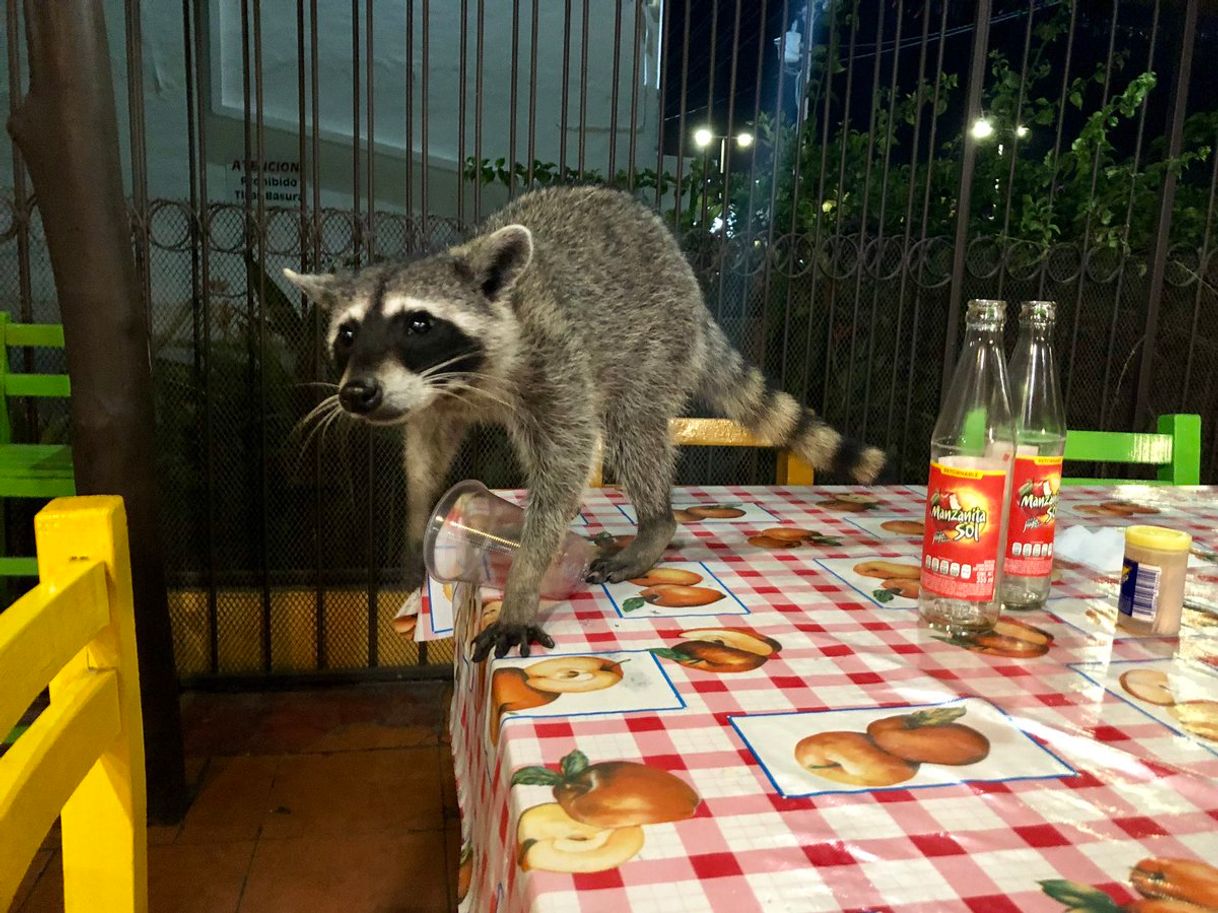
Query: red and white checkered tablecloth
[[665, 757]]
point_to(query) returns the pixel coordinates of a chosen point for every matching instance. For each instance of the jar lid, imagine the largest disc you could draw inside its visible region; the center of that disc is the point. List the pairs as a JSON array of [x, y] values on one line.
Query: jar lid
[[1158, 537]]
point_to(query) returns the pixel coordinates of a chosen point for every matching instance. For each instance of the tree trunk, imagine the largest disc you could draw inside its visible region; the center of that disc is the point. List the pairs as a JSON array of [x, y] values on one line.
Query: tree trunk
[[67, 131]]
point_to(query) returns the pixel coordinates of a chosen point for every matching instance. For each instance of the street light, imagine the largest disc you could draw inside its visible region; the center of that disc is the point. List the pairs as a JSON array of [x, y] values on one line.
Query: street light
[[744, 140], [703, 137], [982, 129]]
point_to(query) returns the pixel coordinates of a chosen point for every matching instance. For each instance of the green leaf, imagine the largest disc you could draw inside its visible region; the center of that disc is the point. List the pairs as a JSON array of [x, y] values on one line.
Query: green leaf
[[633, 604], [535, 776], [939, 716], [1076, 98], [1079, 896], [574, 763], [884, 595], [669, 653]]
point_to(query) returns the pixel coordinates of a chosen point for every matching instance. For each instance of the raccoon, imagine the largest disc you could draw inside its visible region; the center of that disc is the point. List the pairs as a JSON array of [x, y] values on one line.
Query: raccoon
[[571, 318]]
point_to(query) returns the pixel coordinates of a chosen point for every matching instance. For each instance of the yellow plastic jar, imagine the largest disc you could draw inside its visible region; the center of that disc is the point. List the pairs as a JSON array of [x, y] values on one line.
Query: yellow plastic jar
[[1152, 580]]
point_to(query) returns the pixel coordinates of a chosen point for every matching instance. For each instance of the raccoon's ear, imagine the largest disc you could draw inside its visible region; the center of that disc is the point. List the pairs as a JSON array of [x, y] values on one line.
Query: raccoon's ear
[[317, 287], [497, 260]]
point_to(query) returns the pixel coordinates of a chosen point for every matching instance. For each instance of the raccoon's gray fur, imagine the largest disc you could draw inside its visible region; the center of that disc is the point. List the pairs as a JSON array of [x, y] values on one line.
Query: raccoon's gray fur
[[571, 316]]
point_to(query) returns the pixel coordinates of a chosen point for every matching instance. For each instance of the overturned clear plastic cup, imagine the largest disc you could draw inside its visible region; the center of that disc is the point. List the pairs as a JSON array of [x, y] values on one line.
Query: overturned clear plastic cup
[[473, 537]]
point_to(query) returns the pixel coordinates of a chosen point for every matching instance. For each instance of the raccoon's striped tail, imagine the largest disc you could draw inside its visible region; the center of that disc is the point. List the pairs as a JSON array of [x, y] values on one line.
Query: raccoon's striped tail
[[741, 392]]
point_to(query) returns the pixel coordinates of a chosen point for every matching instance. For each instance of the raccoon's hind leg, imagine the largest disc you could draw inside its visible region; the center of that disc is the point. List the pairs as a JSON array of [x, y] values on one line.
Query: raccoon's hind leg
[[642, 456]]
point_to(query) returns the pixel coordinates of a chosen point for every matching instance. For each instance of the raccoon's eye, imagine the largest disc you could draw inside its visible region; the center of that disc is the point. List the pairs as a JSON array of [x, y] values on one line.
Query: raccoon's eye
[[346, 335], [419, 323]]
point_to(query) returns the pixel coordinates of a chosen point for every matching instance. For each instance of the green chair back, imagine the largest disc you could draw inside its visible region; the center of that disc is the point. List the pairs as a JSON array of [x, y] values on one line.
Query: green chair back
[[1175, 450]]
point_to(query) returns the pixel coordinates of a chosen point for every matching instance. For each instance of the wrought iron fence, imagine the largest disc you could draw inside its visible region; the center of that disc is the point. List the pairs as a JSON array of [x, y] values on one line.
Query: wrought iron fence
[[843, 175]]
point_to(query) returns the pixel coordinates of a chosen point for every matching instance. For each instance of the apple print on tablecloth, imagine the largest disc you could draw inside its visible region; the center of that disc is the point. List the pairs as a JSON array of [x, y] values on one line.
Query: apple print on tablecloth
[[1009, 638], [1166, 885], [597, 819], [784, 537], [881, 527], [1193, 713], [570, 685], [891, 583], [674, 590], [696, 513], [850, 503], [859, 749], [721, 650]]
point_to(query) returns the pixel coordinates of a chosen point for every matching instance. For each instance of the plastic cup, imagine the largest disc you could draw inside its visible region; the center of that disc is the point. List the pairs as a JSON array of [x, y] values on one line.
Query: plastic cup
[[473, 537]]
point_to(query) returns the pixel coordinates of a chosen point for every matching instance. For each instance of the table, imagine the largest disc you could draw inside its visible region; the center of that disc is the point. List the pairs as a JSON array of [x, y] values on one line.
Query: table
[[801, 743]]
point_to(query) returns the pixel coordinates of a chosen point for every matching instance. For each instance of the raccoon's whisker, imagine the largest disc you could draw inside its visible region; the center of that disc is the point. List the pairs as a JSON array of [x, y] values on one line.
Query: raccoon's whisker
[[454, 389], [320, 424], [328, 403], [427, 372], [468, 377], [318, 383]]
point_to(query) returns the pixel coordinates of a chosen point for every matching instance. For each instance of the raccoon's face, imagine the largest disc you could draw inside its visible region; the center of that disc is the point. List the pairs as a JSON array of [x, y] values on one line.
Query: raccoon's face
[[405, 336]]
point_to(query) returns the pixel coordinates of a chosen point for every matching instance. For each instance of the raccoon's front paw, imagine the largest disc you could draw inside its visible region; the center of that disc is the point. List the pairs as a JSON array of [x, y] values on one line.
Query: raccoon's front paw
[[503, 637], [615, 569]]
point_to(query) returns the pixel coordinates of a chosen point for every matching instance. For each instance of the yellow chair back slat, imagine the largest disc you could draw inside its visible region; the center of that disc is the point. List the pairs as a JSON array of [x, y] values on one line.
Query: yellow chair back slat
[[83, 757], [721, 432], [49, 761], [43, 630]]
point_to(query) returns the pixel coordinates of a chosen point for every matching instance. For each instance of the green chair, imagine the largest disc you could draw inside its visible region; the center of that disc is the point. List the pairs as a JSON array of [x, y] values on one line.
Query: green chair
[[1175, 450], [30, 470]]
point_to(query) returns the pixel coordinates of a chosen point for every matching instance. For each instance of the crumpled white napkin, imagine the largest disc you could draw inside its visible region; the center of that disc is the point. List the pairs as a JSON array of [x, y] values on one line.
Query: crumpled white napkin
[[1102, 548]]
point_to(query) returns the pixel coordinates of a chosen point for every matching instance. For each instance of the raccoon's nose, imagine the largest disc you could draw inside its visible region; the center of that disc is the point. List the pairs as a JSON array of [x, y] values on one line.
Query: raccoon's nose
[[360, 396]]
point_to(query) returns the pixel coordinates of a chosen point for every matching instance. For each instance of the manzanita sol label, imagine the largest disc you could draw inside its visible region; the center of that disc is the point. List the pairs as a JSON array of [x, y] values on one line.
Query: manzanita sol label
[[1034, 492], [960, 550]]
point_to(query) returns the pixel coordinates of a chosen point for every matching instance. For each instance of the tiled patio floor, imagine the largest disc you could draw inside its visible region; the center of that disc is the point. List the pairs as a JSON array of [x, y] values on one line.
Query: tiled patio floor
[[334, 799]]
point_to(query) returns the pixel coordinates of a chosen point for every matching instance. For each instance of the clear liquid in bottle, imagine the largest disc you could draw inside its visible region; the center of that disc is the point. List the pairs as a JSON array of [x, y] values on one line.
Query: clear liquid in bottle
[[1040, 432], [972, 454]]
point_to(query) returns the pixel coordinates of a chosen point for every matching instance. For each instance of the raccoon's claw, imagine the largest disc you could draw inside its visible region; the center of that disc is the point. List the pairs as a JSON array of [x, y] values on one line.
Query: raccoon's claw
[[612, 569], [503, 637]]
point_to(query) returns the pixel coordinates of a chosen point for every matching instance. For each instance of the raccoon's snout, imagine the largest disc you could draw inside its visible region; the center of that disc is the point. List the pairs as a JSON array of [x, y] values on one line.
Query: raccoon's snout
[[361, 396]]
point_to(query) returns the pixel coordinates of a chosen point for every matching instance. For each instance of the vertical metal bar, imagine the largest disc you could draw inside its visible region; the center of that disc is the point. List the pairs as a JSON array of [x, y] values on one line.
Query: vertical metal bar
[[827, 87], [1057, 141], [662, 81], [710, 101], [634, 94], [533, 93], [462, 91], [409, 109], [964, 197], [862, 242], [613, 89], [583, 92], [875, 297], [566, 90], [200, 221], [315, 234], [263, 449], [837, 210], [726, 148], [930, 175], [1082, 273], [775, 158], [1114, 322], [374, 563], [478, 98], [1202, 285], [424, 108], [357, 231], [1023, 79], [139, 148], [908, 221], [21, 199], [761, 31], [1162, 235], [512, 104], [680, 193]]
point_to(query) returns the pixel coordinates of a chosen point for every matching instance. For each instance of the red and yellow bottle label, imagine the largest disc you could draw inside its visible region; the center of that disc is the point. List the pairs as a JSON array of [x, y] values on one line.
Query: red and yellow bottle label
[[960, 551], [1034, 493]]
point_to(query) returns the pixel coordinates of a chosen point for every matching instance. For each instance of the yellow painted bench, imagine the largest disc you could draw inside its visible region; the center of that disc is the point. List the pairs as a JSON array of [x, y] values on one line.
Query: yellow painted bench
[[82, 759]]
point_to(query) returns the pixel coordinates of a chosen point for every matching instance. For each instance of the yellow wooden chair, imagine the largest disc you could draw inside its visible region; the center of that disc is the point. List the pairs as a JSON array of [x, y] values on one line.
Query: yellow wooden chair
[[721, 432], [82, 759]]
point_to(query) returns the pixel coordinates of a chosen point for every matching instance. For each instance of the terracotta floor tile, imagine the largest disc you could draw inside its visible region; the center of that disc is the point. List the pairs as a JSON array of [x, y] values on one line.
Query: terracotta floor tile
[[372, 873], [32, 874], [335, 719], [232, 802], [355, 792], [205, 878]]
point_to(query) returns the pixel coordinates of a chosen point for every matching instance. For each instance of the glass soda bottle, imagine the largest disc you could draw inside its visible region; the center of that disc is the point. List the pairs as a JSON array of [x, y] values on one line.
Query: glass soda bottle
[[971, 455], [1040, 433]]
